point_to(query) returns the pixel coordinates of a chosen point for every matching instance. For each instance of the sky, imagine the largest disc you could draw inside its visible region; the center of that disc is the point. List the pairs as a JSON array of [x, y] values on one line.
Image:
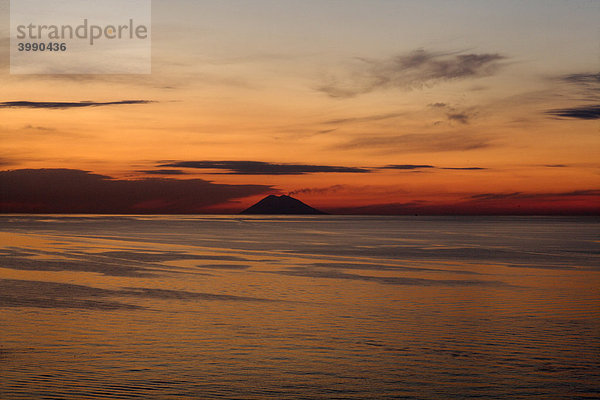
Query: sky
[[354, 107]]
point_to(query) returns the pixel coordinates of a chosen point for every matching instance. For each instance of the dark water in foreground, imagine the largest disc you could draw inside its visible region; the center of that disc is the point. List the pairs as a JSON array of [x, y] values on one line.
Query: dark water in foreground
[[299, 307]]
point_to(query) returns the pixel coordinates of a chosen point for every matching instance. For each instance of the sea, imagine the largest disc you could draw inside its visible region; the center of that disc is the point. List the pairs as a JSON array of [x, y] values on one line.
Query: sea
[[299, 307]]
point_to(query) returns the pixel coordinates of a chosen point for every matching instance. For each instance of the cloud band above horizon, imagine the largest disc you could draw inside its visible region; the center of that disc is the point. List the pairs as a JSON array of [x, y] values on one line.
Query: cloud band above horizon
[[77, 191]]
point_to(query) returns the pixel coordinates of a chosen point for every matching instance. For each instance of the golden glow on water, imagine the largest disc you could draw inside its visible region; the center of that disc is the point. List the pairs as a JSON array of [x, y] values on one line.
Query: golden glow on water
[[204, 307]]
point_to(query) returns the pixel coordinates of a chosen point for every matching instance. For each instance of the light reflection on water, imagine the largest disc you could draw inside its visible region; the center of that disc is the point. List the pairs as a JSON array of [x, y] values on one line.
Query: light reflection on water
[[299, 307]]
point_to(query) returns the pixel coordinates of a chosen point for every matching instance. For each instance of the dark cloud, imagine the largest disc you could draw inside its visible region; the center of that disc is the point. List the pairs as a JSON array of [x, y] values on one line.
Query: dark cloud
[[453, 114], [582, 112], [426, 142], [556, 166], [438, 105], [586, 85], [163, 172], [263, 168], [582, 78], [583, 88], [417, 69], [76, 191], [462, 117], [407, 166], [65, 105]]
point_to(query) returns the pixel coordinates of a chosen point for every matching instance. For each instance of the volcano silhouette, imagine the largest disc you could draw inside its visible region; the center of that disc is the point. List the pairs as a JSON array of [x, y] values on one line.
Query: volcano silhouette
[[283, 205]]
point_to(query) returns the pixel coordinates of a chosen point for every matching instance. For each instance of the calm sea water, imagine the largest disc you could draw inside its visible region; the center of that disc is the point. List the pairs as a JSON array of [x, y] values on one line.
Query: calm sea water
[[206, 307]]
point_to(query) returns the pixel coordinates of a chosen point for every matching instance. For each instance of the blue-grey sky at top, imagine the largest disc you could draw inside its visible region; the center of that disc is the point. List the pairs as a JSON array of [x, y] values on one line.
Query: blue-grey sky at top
[[539, 29]]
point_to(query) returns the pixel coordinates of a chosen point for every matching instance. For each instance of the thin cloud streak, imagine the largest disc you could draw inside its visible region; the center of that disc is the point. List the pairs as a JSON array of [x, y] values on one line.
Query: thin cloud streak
[[262, 168], [52, 105], [407, 166], [583, 112], [370, 118], [414, 167], [522, 195], [163, 172], [266, 168], [582, 78], [426, 142], [465, 168]]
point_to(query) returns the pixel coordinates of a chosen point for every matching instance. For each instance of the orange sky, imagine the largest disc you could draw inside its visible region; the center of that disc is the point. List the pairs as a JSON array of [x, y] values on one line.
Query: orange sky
[[418, 107]]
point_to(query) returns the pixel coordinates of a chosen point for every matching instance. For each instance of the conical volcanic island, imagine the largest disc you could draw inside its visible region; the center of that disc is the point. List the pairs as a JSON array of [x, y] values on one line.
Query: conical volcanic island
[[281, 205]]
